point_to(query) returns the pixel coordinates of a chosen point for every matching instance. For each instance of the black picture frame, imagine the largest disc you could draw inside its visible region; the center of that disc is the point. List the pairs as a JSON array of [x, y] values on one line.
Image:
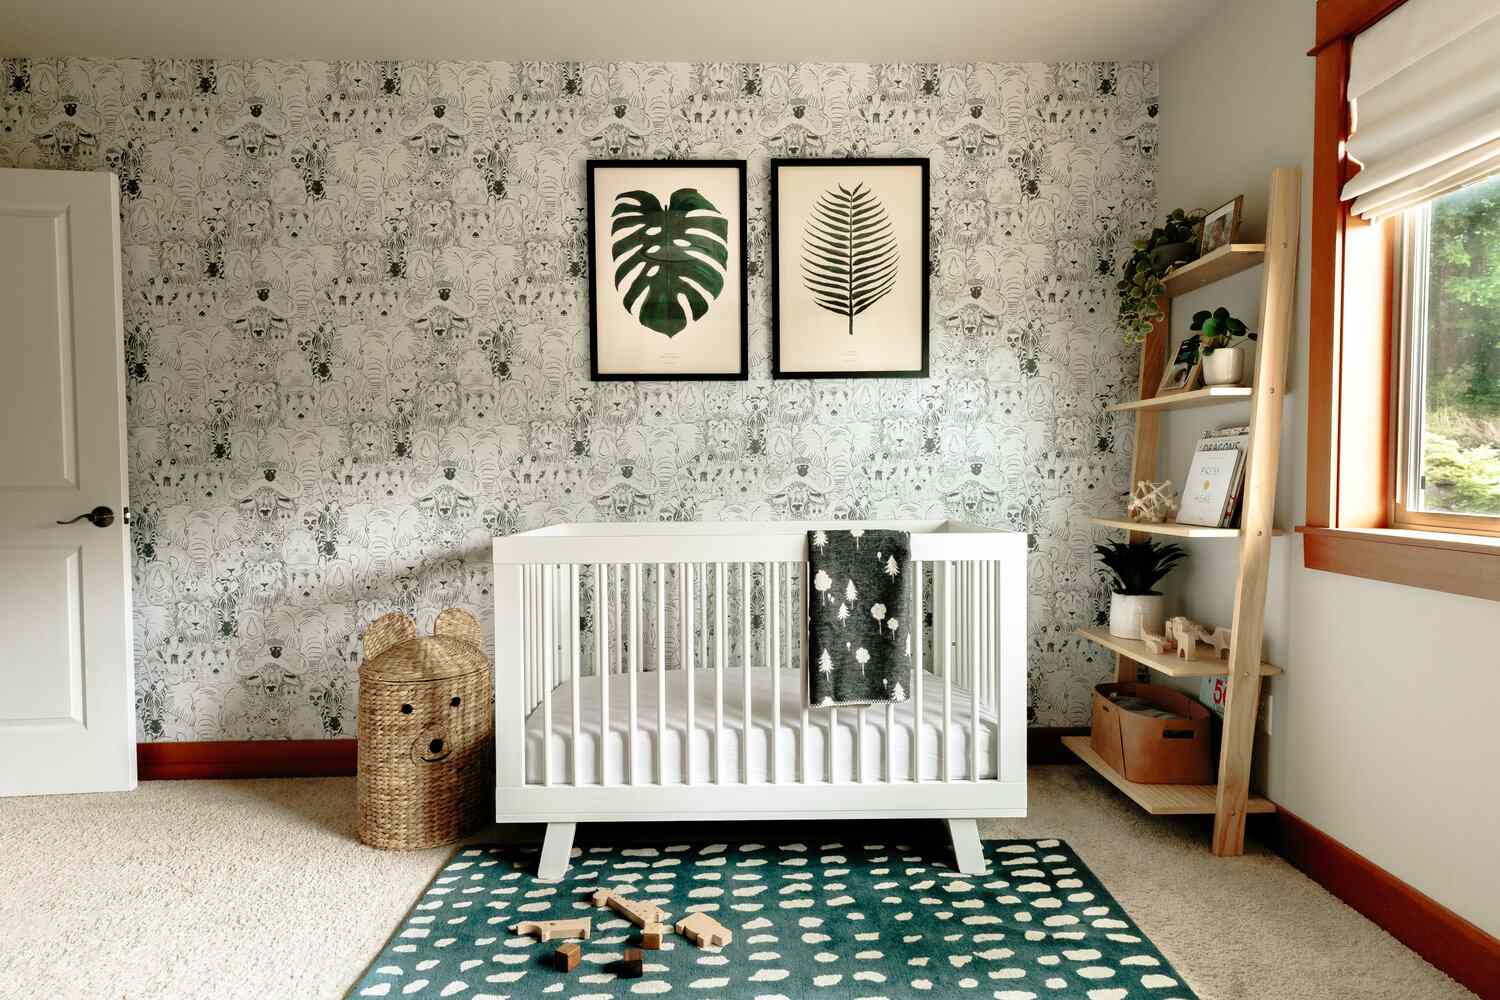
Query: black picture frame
[[743, 374], [922, 162]]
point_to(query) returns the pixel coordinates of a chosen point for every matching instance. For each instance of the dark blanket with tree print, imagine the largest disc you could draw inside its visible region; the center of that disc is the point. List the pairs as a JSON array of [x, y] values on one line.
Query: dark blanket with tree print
[[857, 617]]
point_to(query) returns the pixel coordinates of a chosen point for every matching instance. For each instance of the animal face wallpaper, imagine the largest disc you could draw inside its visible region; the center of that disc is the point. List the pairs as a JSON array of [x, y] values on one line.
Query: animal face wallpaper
[[356, 333]]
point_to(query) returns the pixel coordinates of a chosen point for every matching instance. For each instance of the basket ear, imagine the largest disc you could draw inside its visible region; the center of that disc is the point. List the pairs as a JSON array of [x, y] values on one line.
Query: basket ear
[[459, 624], [386, 631]]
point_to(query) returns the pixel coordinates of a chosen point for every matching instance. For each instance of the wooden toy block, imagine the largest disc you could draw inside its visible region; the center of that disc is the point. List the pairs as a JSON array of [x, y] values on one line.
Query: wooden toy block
[[633, 966], [567, 957], [1218, 637], [553, 930], [704, 931], [638, 912], [651, 936]]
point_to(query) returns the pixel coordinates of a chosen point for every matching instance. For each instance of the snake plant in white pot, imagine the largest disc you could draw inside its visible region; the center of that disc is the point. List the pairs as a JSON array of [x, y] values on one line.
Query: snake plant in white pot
[[1137, 567]]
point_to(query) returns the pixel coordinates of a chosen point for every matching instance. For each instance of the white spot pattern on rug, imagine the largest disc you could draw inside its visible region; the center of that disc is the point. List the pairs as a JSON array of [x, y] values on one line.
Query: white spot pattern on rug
[[1019, 937]]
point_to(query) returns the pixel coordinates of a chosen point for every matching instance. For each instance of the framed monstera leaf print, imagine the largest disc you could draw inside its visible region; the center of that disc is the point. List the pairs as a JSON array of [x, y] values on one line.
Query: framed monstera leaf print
[[849, 294], [667, 270]]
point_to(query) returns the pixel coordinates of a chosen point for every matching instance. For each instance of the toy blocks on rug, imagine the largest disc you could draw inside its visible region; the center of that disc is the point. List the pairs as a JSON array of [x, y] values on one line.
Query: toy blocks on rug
[[638, 912], [704, 931], [567, 957], [553, 930], [651, 936], [634, 964]]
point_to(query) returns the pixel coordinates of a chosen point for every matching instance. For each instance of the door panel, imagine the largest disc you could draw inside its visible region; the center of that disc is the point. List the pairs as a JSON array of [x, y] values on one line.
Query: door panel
[[67, 685], [36, 385], [43, 589]]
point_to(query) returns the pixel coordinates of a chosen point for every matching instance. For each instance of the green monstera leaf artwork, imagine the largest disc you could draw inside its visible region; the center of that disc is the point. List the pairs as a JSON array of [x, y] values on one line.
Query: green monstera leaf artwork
[[668, 256]]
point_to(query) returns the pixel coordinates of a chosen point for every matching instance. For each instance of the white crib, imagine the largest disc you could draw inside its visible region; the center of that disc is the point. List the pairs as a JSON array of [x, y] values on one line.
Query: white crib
[[657, 672]]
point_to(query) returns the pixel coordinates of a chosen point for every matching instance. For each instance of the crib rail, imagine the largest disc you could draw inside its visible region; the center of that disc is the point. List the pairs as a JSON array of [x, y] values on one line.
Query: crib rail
[[596, 621]]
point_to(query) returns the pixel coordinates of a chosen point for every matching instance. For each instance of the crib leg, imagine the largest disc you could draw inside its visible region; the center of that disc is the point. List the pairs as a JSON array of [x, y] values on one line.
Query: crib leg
[[967, 849], [557, 845]]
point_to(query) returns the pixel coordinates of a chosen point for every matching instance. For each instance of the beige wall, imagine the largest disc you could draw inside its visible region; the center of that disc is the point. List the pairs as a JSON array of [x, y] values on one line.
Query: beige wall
[[1383, 730]]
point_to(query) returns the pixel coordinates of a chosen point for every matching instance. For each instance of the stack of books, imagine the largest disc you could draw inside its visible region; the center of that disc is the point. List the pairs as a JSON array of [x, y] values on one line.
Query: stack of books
[[1216, 479]]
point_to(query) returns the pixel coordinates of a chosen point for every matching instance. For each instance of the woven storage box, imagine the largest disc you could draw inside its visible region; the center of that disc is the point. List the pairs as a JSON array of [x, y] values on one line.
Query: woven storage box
[[1134, 736], [426, 732]]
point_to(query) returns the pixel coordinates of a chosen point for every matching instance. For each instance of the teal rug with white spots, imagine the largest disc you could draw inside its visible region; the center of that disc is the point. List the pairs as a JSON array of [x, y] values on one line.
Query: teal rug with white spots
[[809, 920]]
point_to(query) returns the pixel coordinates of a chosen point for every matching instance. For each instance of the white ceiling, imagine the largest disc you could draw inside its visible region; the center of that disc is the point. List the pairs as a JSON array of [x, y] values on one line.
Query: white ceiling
[[673, 30]]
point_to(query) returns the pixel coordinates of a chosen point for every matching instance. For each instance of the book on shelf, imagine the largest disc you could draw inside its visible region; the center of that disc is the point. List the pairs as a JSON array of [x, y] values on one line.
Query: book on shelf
[[1215, 479]]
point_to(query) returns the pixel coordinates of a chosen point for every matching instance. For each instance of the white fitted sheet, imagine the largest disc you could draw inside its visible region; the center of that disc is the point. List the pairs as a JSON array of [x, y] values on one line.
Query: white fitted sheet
[[787, 744]]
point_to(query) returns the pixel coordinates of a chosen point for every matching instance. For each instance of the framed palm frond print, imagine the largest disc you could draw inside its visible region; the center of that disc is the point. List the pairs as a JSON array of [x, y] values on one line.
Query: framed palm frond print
[[667, 270], [849, 286]]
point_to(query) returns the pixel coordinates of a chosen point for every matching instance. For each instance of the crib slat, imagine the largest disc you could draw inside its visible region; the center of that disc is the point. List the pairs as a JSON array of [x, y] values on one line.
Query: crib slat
[[719, 596], [919, 642], [601, 664], [800, 624], [661, 673], [745, 672], [946, 609], [976, 671], [635, 667], [549, 651], [685, 609], [773, 646], [575, 656]]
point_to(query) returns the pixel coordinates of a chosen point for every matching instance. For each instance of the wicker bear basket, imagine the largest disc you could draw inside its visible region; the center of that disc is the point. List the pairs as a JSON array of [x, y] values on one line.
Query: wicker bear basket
[[426, 732]]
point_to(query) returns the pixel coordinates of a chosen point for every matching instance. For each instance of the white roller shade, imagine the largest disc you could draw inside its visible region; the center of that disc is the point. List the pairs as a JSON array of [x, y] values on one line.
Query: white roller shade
[[1424, 83]]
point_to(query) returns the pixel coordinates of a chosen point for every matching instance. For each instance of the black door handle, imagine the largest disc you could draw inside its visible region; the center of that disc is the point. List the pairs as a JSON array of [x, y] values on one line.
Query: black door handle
[[99, 517]]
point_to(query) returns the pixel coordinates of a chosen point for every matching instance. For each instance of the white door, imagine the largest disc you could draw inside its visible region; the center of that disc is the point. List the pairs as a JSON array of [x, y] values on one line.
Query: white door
[[67, 685]]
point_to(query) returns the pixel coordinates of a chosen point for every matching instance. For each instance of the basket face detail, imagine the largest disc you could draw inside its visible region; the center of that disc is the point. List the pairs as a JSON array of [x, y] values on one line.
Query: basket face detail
[[426, 732]]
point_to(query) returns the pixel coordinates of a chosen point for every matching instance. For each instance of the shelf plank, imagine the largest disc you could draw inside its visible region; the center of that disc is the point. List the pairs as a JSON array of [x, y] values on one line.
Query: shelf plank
[[1221, 263], [1170, 528], [1211, 396], [1160, 800], [1168, 663]]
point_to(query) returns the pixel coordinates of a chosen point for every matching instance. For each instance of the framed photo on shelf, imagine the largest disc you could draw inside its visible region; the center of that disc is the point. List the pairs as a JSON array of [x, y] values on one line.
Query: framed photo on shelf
[[1184, 371], [849, 292], [667, 289], [1221, 226]]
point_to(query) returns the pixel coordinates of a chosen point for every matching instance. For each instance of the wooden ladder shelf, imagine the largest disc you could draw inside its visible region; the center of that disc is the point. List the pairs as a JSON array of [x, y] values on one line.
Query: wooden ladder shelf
[[1230, 800]]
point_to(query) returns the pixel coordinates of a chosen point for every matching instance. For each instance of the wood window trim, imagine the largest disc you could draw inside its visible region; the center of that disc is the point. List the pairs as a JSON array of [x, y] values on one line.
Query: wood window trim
[[1351, 328]]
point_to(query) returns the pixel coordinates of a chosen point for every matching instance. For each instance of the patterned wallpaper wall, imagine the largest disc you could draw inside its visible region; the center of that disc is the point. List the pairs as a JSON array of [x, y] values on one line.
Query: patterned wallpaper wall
[[356, 335]]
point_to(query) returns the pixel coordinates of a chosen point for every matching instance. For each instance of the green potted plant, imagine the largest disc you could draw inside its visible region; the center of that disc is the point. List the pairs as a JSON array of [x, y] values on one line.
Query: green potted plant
[[1172, 243], [1137, 567], [1223, 362]]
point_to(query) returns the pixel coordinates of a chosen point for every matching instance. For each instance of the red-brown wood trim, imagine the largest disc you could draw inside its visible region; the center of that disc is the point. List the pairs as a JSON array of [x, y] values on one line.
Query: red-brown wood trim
[[1407, 558], [1325, 294], [1442, 937], [1338, 19], [245, 759]]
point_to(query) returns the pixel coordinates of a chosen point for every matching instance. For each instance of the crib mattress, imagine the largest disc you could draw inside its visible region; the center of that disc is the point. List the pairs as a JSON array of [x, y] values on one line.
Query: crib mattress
[[822, 725]]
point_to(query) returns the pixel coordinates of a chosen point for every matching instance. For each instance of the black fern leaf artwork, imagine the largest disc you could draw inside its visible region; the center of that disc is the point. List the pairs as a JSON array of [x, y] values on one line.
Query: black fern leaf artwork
[[850, 259]]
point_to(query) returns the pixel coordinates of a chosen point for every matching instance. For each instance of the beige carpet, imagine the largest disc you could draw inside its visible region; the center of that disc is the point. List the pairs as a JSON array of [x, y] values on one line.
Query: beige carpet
[[230, 889]]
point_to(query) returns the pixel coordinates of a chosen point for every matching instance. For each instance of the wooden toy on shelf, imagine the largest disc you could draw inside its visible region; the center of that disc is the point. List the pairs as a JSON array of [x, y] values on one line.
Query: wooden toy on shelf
[[552, 930], [651, 936], [567, 957], [1218, 637], [1152, 503], [1184, 632], [638, 912], [633, 965], [704, 931]]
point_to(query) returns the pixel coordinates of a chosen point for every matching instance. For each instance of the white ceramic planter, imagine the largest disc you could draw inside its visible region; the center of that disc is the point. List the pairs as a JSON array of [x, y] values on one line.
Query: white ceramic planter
[[1127, 612], [1224, 366]]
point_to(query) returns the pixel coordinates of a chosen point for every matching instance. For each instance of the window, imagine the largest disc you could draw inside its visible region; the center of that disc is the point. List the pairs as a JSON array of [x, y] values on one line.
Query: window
[[1447, 461]]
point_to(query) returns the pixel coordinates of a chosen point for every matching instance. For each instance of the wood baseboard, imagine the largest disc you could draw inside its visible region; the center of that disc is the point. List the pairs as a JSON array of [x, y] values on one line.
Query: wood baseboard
[[335, 758], [245, 759], [1442, 937]]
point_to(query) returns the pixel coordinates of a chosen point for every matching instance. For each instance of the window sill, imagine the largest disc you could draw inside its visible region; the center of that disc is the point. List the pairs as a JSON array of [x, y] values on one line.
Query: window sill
[[1433, 560]]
